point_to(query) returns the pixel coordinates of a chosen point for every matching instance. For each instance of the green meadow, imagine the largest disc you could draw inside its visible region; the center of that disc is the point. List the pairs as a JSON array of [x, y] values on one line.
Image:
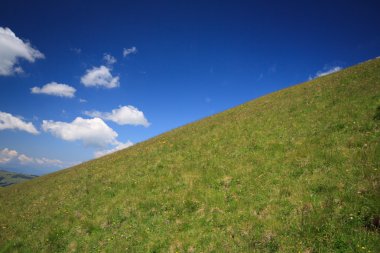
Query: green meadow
[[297, 170]]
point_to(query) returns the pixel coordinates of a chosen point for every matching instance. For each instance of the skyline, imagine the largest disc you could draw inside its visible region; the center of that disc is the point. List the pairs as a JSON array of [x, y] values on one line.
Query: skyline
[[76, 87]]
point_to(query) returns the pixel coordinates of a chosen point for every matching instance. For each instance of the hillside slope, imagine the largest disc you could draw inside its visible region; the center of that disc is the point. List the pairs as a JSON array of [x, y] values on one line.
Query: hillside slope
[[293, 171]]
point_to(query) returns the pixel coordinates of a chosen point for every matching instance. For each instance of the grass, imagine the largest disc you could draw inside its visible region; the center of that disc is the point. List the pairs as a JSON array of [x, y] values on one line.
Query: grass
[[293, 171]]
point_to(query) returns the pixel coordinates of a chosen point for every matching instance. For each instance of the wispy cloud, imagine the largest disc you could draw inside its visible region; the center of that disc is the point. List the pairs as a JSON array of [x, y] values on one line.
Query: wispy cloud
[[12, 49], [92, 132], [76, 50], [109, 59], [118, 146], [8, 121], [124, 115], [12, 156], [128, 51], [272, 69], [326, 71], [100, 77], [55, 89]]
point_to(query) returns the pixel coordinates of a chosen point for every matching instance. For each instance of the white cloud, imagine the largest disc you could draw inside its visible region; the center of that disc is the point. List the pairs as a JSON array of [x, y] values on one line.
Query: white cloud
[[119, 146], [109, 59], [12, 49], [92, 132], [12, 156], [24, 159], [81, 100], [101, 77], [18, 70], [124, 115], [326, 71], [329, 71], [47, 161], [55, 89], [8, 121], [128, 51], [6, 155]]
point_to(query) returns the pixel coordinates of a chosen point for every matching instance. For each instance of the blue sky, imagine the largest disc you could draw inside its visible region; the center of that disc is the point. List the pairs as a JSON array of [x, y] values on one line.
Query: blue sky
[[78, 80]]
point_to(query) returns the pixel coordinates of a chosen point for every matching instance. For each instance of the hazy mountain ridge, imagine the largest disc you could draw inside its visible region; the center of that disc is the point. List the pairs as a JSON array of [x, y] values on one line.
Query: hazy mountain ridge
[[8, 178]]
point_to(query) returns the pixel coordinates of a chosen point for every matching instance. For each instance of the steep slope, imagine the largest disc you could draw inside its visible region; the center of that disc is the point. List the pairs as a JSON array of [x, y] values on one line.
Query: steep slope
[[293, 171]]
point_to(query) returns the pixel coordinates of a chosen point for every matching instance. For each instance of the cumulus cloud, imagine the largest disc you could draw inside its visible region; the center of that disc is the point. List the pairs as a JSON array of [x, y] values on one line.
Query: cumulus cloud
[[100, 77], [12, 49], [12, 156], [119, 146], [8, 121], [124, 115], [326, 71], [92, 132], [109, 59], [128, 51], [55, 89], [6, 155]]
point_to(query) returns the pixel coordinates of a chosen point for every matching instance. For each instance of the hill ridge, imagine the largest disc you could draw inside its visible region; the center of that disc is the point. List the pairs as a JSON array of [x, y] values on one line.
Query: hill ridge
[[295, 170]]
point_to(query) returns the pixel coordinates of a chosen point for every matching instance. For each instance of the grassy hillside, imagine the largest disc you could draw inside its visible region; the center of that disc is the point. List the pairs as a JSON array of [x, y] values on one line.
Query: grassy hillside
[[293, 171], [8, 178]]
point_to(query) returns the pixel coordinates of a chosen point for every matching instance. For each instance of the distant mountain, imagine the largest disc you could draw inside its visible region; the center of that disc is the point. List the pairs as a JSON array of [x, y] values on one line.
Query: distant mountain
[[8, 178], [297, 170]]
